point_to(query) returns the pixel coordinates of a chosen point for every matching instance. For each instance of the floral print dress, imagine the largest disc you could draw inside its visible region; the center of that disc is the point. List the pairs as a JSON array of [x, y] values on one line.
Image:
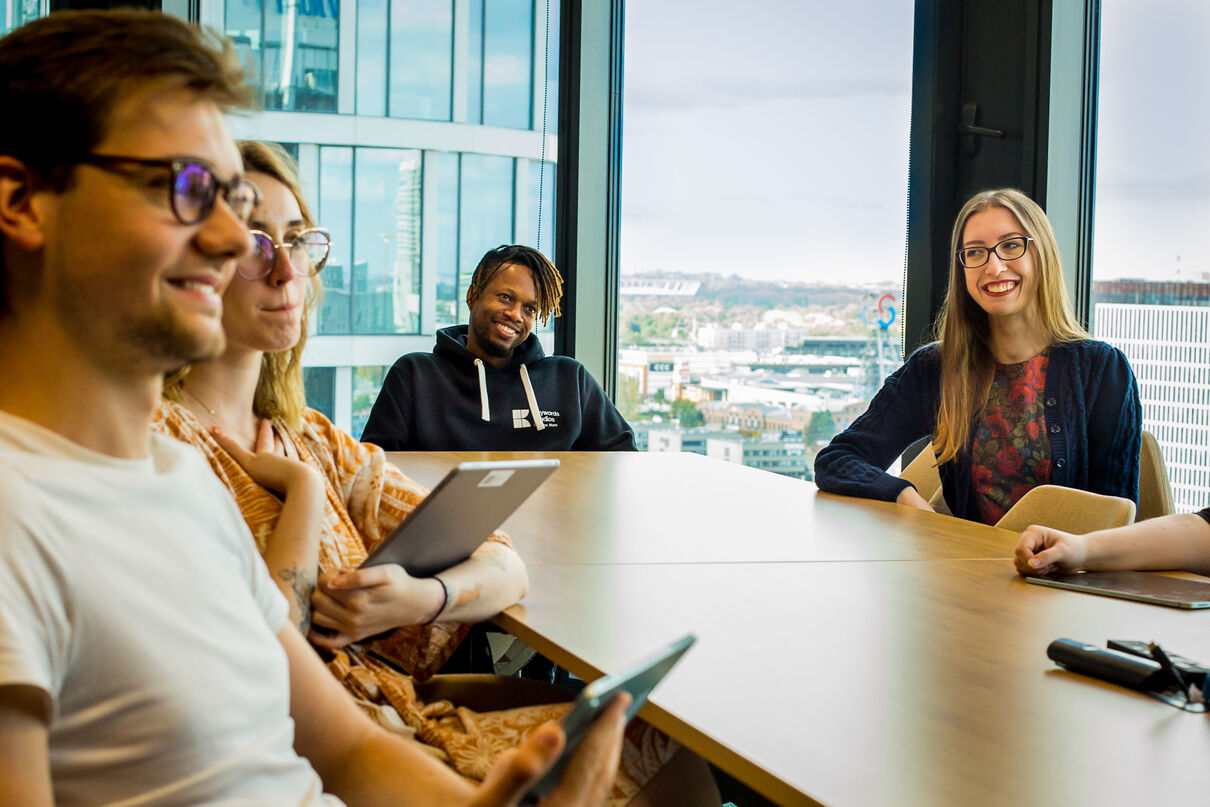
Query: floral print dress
[[366, 497], [1011, 451]]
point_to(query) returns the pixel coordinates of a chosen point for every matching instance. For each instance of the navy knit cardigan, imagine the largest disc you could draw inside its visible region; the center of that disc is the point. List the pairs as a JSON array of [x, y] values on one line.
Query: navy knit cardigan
[[1093, 420]]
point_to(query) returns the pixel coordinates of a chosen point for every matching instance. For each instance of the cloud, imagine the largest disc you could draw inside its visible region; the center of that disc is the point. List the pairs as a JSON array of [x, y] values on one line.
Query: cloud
[[1153, 188], [733, 92]]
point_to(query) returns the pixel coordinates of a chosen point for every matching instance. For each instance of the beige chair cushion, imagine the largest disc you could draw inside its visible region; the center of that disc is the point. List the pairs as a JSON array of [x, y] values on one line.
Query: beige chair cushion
[[1155, 491], [1069, 510], [922, 472]]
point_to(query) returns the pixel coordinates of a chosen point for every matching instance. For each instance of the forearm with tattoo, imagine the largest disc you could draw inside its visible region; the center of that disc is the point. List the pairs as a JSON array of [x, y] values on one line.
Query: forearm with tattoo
[[302, 585]]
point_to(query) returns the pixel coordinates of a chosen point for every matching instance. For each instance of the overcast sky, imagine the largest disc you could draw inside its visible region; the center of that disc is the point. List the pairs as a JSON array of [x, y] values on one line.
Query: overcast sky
[[769, 138]]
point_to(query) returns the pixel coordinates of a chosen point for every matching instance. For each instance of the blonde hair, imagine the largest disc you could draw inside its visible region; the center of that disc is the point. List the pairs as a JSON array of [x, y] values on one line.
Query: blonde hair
[[962, 331], [280, 394]]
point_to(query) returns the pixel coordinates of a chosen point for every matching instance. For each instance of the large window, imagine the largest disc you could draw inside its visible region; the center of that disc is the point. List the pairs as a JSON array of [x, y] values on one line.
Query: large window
[[406, 59], [486, 214], [336, 213], [386, 241], [1151, 271], [420, 63], [290, 50], [376, 204], [765, 165]]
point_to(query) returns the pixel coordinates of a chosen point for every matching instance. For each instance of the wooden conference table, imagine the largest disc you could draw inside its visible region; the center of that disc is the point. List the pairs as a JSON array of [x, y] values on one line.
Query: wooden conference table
[[849, 652]]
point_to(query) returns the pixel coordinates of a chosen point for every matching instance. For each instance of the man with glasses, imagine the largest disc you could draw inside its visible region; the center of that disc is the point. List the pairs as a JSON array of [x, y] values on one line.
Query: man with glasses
[[145, 655]]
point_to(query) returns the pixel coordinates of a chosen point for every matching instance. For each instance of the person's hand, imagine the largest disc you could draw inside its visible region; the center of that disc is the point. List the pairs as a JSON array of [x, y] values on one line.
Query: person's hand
[[910, 497], [587, 779], [267, 466], [355, 603], [1042, 550]]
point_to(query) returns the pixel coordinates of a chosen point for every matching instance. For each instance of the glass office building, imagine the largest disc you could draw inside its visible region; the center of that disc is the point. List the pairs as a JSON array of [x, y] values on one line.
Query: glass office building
[[419, 128]]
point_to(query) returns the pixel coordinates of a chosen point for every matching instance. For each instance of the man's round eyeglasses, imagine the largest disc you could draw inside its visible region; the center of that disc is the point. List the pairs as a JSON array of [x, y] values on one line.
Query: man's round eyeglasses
[[194, 186], [1008, 250], [307, 252]]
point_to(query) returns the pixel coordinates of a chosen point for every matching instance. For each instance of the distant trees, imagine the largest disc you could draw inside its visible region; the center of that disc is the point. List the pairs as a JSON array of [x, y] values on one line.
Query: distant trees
[[644, 329], [687, 413], [630, 402], [820, 429]]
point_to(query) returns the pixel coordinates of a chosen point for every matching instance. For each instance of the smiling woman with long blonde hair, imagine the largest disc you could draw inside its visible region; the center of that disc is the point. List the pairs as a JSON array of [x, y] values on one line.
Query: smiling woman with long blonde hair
[[1013, 394]]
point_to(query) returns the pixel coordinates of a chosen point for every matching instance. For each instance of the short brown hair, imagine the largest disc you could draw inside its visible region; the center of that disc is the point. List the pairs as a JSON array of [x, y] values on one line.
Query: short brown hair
[[547, 280], [62, 76]]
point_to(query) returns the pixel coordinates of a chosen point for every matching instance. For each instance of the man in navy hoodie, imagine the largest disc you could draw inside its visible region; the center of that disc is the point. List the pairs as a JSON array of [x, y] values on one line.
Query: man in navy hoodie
[[488, 385]]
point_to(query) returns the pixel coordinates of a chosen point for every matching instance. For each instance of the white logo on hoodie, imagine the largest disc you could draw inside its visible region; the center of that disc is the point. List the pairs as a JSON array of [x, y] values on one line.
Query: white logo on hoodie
[[521, 419]]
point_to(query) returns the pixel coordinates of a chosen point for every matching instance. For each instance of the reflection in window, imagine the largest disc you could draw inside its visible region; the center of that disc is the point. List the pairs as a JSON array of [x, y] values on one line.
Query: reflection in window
[[443, 173], [386, 246], [540, 222], [421, 70], [474, 62], [486, 215], [550, 70], [336, 213], [319, 384], [371, 57], [17, 13], [507, 62], [366, 383], [1151, 273], [289, 48]]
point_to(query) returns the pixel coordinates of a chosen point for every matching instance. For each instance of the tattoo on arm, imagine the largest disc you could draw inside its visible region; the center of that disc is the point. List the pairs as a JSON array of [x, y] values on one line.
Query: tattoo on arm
[[302, 584], [466, 595]]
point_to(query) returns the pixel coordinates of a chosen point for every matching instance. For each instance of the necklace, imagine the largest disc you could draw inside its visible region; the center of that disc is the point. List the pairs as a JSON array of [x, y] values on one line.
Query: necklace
[[202, 403], [219, 418]]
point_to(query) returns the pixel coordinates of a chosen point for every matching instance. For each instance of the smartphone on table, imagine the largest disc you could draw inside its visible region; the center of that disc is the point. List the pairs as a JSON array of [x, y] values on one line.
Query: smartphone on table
[[638, 680]]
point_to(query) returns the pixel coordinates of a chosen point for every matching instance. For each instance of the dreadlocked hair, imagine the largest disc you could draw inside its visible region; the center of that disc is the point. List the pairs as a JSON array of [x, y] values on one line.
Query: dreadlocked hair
[[547, 280]]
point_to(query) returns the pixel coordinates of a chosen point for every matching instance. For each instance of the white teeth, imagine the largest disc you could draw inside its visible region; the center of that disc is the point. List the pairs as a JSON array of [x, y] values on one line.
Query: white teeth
[[996, 288], [194, 285]]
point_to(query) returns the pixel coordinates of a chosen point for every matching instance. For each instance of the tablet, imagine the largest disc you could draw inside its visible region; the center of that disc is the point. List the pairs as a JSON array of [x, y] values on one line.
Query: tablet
[[1156, 589], [638, 680], [459, 514]]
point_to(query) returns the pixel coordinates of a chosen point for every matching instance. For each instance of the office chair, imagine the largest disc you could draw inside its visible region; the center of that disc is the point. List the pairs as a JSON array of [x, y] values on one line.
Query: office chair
[[1155, 491], [1069, 510], [922, 472]]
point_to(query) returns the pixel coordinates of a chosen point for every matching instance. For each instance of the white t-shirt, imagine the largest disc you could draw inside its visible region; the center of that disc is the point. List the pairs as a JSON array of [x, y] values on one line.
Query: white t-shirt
[[131, 593]]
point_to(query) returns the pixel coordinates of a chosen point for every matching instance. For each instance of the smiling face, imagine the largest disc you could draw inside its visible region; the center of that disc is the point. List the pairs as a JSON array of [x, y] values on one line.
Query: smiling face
[[502, 316], [1001, 288], [265, 315], [139, 290]]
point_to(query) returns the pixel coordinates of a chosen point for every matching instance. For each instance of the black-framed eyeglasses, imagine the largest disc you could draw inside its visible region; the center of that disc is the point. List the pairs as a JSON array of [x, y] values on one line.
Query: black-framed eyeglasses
[[307, 252], [194, 187], [1008, 250]]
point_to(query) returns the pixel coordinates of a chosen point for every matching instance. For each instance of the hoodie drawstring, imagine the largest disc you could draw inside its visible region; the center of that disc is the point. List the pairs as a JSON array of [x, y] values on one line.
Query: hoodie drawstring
[[529, 396], [486, 413]]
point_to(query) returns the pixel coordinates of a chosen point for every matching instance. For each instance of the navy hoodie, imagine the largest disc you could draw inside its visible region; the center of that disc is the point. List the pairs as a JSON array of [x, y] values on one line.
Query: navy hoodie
[[450, 400]]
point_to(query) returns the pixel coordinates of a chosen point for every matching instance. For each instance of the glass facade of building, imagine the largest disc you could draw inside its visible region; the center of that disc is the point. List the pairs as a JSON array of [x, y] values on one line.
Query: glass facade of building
[[1151, 272], [428, 152]]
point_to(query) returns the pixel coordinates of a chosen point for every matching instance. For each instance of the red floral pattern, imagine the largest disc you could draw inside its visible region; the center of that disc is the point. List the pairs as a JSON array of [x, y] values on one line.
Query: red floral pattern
[[1011, 452]]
